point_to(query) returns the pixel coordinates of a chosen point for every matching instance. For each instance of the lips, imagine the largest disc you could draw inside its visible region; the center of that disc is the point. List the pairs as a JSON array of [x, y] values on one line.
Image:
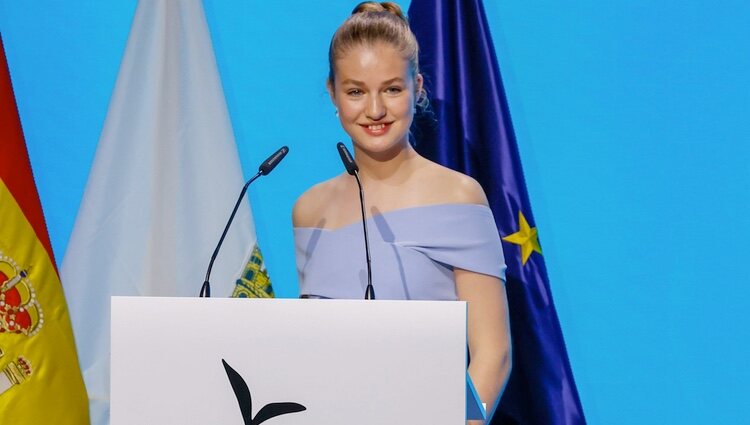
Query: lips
[[376, 129]]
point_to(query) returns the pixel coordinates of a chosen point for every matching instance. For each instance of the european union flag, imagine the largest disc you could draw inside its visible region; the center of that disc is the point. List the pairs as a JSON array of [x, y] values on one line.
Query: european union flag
[[471, 132]]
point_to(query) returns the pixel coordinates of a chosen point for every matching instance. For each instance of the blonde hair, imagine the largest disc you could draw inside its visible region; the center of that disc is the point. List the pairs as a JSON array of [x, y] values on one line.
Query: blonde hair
[[370, 23]]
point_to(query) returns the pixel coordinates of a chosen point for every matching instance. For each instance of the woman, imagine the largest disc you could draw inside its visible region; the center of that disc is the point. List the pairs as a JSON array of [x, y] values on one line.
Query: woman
[[432, 235]]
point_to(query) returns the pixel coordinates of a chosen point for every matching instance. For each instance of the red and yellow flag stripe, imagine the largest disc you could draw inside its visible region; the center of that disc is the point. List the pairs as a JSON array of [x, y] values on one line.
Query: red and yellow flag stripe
[[40, 379]]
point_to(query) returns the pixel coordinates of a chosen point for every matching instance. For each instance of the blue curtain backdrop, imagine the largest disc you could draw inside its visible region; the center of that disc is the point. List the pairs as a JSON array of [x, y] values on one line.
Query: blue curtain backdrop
[[470, 131]]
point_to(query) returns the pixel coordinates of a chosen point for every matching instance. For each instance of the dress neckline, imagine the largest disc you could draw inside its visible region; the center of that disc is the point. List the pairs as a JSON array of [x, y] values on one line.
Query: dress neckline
[[393, 212]]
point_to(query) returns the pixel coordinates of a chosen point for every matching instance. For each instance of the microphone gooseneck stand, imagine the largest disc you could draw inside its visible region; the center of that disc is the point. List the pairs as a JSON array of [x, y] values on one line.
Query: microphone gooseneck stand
[[265, 168], [353, 169]]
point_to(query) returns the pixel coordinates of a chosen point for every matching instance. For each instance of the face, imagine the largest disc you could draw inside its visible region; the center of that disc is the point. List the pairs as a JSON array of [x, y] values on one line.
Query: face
[[375, 93]]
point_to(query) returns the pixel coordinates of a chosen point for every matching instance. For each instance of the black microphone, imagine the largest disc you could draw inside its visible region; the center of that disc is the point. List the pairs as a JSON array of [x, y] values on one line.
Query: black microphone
[[351, 168], [265, 168], [269, 164], [346, 158]]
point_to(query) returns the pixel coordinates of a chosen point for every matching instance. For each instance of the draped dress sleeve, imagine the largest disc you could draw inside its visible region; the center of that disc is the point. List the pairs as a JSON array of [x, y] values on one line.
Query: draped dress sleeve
[[413, 252]]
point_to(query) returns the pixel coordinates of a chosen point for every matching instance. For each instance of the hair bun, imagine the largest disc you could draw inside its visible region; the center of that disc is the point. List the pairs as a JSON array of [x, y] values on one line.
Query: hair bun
[[385, 6], [374, 22]]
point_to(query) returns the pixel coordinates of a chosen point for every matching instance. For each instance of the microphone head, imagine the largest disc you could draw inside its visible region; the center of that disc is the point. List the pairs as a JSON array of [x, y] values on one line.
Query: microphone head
[[347, 159], [269, 164]]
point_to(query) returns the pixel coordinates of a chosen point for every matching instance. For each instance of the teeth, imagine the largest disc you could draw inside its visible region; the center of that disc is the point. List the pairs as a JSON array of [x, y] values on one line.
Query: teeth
[[376, 127]]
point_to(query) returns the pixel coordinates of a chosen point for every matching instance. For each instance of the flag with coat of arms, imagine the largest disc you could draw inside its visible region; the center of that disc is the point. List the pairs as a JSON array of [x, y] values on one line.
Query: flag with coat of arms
[[40, 381], [164, 179]]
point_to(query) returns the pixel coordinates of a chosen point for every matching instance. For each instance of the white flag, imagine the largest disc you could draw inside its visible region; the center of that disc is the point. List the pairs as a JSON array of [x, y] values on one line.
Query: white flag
[[163, 182]]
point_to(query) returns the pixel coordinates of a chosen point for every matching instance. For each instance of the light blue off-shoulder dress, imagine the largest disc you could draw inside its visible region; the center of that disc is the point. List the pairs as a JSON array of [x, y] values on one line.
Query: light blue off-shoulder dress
[[413, 251]]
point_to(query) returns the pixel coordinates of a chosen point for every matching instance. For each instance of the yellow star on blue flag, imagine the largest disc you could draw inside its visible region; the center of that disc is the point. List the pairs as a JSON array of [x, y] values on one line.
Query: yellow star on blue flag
[[526, 237]]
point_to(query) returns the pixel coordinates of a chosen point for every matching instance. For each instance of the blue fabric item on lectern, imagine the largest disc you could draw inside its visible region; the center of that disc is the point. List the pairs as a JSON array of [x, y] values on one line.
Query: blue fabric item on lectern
[[413, 252]]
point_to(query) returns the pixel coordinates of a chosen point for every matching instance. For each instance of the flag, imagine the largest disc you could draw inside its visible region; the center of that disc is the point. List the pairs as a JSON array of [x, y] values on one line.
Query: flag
[[470, 131], [40, 381], [163, 182]]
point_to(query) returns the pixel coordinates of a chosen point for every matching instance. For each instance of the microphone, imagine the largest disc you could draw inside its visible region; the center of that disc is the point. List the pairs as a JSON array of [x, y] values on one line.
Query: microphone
[[352, 169], [265, 168], [346, 158], [269, 164]]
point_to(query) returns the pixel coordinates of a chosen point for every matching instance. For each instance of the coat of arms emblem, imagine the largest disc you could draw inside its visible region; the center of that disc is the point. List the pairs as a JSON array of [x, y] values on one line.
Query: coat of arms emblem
[[20, 314]]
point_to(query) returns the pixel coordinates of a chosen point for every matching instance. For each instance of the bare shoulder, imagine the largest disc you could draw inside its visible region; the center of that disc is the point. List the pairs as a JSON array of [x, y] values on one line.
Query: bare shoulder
[[309, 209], [449, 186]]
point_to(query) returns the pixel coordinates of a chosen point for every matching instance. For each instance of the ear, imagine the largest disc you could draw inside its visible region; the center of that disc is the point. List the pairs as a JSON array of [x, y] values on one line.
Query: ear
[[331, 92], [418, 87]]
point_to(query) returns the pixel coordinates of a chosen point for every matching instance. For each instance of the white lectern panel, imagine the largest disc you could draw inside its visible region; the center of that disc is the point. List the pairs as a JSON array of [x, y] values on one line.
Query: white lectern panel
[[345, 361]]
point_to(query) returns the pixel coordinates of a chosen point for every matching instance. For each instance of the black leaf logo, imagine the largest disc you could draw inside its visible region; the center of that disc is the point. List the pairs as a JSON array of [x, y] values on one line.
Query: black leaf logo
[[245, 401]]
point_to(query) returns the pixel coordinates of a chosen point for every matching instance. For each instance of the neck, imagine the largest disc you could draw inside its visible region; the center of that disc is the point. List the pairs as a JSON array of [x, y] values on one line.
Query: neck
[[392, 165]]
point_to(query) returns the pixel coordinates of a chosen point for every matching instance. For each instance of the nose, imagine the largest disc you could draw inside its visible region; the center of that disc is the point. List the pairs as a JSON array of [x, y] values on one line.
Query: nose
[[375, 108]]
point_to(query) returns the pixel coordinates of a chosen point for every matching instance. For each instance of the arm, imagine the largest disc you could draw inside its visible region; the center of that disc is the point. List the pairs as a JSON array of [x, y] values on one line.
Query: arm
[[489, 333]]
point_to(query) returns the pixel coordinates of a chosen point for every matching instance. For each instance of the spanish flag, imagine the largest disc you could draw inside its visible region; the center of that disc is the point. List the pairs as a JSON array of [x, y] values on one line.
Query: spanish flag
[[40, 380]]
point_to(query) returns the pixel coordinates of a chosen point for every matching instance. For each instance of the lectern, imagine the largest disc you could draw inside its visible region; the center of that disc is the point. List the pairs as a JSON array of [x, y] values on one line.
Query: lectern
[[287, 362]]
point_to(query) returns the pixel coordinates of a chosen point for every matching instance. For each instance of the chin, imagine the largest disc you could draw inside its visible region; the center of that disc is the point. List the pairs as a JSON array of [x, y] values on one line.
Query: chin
[[379, 147]]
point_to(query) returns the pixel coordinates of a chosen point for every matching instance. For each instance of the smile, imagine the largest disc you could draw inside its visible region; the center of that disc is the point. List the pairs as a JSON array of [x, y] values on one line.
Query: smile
[[376, 129]]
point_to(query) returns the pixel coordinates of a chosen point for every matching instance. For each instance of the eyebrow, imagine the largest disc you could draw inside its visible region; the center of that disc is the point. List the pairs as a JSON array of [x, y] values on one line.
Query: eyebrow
[[361, 83]]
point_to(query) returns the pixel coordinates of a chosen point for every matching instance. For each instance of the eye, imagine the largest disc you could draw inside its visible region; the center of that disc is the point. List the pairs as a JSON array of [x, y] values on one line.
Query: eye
[[354, 92], [394, 90]]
